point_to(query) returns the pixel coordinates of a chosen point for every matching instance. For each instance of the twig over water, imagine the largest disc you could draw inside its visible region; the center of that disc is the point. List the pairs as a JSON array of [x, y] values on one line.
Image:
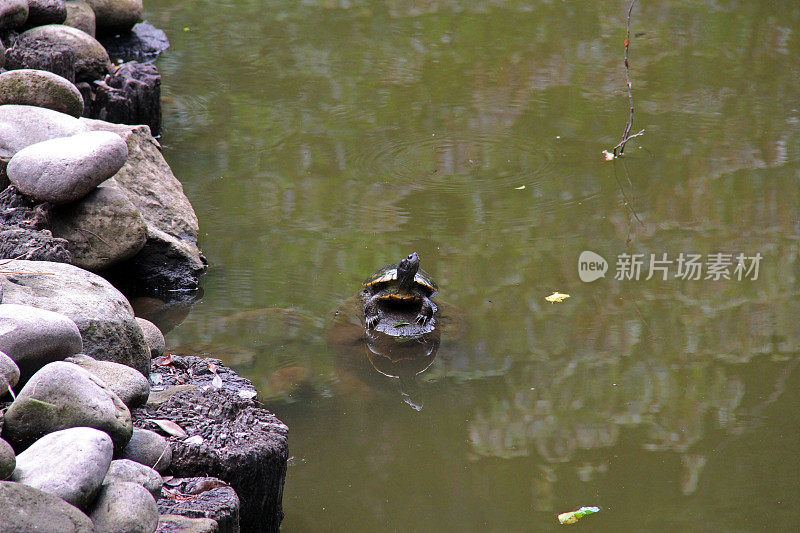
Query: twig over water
[[626, 135]]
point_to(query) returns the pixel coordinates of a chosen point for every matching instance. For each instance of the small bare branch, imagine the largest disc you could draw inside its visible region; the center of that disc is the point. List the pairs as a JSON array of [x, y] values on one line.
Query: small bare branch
[[619, 149]]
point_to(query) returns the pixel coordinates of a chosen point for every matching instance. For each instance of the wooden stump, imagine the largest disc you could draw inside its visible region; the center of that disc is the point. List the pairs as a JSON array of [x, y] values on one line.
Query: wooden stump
[[130, 95], [202, 497], [241, 444]]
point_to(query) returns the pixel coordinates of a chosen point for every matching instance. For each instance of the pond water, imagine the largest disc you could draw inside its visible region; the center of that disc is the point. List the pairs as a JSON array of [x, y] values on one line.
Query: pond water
[[321, 139]]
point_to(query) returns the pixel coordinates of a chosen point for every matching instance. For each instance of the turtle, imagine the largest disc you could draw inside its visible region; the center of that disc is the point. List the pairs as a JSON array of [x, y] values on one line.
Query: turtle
[[400, 283]]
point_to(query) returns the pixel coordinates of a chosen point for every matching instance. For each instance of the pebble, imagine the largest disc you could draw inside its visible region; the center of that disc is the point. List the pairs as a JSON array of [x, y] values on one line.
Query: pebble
[[41, 12], [102, 314], [91, 59], [103, 228], [24, 125], [70, 464], [8, 461], [116, 16], [68, 168], [33, 337], [148, 448], [175, 523], [126, 382], [42, 89], [9, 374], [124, 507], [154, 337], [80, 15], [63, 395], [127, 470], [13, 13]]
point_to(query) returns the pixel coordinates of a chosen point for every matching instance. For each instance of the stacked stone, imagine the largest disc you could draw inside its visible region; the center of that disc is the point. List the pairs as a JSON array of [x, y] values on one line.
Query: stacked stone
[[61, 37], [78, 198], [71, 415]]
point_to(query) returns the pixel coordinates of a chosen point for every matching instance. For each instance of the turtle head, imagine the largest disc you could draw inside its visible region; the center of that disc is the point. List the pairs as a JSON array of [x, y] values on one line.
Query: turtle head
[[406, 271]]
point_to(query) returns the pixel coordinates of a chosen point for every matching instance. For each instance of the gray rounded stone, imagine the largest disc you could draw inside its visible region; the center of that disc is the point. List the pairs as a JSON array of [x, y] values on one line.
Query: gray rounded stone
[[33, 337], [42, 12], [40, 88], [125, 507], [171, 256], [70, 464], [103, 228], [148, 448], [115, 16], [27, 509], [154, 337], [68, 168], [91, 59], [24, 125], [103, 315], [13, 13], [63, 395], [127, 470], [9, 374], [8, 460], [80, 15], [126, 382], [175, 523]]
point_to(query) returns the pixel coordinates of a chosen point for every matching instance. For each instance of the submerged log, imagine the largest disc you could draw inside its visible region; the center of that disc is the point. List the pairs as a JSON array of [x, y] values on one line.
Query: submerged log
[[229, 436]]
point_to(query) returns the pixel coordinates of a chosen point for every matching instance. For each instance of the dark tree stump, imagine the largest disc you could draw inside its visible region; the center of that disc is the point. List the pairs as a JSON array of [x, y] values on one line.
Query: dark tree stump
[[42, 55], [242, 444], [131, 95], [202, 497]]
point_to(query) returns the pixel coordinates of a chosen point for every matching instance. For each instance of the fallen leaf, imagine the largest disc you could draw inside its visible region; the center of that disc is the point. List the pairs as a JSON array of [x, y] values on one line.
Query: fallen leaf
[[247, 394], [170, 427], [204, 485], [401, 324], [521, 187], [164, 361], [609, 155], [556, 297], [212, 368], [573, 516], [194, 439], [217, 381]]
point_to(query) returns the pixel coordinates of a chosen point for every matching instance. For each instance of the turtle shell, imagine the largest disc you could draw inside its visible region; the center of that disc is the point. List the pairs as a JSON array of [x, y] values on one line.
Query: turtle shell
[[387, 276]]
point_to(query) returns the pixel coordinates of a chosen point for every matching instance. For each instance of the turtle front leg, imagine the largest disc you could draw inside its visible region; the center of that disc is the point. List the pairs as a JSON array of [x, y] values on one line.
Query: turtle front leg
[[427, 310], [371, 313]]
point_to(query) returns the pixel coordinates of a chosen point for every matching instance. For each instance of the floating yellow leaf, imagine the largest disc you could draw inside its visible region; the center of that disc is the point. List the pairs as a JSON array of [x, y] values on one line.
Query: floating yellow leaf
[[609, 155], [556, 297], [521, 187], [573, 516]]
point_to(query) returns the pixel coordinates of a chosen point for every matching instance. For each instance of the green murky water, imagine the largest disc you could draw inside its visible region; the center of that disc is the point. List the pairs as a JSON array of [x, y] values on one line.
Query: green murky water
[[318, 140]]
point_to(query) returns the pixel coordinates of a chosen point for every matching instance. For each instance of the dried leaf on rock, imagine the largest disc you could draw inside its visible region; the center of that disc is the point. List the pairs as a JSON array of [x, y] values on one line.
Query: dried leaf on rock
[[170, 427]]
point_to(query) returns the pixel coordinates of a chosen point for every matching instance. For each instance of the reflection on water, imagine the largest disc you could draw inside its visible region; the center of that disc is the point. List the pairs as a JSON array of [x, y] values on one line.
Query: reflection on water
[[318, 140]]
